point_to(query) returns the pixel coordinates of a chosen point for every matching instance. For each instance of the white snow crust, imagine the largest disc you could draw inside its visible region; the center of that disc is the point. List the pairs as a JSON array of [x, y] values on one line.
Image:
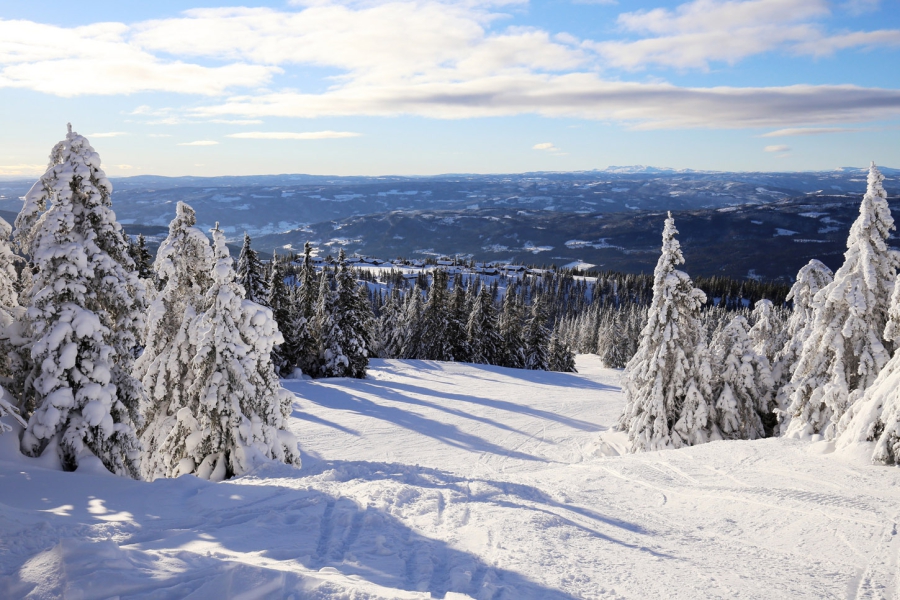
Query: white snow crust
[[446, 480]]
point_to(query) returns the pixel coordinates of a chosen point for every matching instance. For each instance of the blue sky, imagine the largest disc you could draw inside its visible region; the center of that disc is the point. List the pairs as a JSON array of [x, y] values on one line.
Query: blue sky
[[373, 87]]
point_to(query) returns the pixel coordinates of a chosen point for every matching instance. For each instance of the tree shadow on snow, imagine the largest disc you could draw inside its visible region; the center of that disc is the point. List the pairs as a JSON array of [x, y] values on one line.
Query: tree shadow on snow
[[190, 538], [334, 396], [487, 402]]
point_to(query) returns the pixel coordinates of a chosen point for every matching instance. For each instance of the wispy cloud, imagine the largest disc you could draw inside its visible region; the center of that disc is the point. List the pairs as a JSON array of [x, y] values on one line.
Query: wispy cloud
[[701, 32], [22, 169], [199, 143], [794, 131], [546, 146], [108, 134], [290, 135], [777, 148]]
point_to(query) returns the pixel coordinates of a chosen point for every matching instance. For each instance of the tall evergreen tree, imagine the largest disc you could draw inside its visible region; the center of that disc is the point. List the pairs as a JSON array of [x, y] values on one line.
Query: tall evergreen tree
[[560, 356], [485, 343], [458, 319], [876, 416], [143, 261], [184, 268], [537, 338], [353, 316], [85, 315], [743, 383], [409, 333], [332, 361], [844, 351], [306, 293], [237, 409], [810, 279], [514, 341], [433, 341], [11, 361], [767, 333], [284, 355], [667, 382], [251, 274]]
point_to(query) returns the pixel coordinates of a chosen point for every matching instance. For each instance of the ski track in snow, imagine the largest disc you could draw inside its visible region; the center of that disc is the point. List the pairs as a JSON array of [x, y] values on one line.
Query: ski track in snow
[[450, 481]]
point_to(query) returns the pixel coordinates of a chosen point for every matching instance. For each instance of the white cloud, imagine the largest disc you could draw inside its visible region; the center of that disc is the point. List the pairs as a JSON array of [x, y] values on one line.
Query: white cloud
[[792, 131], [777, 148], [22, 169], [159, 135], [443, 59], [546, 146], [858, 7], [699, 32], [199, 143], [107, 134], [100, 59], [580, 95], [123, 167], [290, 135]]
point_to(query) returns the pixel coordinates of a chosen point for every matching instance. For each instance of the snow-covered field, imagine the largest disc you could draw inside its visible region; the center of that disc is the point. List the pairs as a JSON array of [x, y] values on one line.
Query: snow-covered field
[[449, 481]]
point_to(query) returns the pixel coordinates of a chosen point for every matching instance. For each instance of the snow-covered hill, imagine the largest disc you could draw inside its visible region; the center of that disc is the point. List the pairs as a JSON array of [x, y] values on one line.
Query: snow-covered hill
[[450, 481]]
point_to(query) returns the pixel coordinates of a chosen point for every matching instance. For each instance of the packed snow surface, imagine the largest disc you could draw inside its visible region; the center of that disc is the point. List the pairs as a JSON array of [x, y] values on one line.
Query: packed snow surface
[[448, 480]]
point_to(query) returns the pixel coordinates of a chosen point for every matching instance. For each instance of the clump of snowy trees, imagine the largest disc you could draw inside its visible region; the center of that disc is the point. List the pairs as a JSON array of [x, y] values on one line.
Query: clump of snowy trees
[[831, 373], [202, 397]]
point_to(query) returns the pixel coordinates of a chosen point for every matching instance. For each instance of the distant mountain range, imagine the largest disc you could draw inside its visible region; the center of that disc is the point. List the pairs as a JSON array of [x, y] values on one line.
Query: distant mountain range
[[611, 218]]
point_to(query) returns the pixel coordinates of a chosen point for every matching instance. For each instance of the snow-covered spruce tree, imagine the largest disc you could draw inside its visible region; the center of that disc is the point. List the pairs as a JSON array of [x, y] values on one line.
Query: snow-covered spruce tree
[[458, 320], [388, 322], [511, 331], [433, 342], [251, 273], [560, 356], [14, 352], [409, 332], [11, 359], [485, 343], [143, 261], [284, 355], [332, 361], [767, 332], [876, 416], [353, 316], [85, 315], [667, 382], [811, 278], [537, 338], [306, 293], [237, 409], [844, 351], [183, 267], [743, 383]]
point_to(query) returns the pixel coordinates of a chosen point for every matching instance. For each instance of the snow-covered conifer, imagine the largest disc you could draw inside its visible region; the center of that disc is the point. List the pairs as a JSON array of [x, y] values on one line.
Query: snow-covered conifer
[[485, 343], [353, 316], [514, 344], [667, 382], [560, 356], [457, 321], [251, 273], [537, 338], [284, 355], [409, 332], [743, 383], [306, 293], [844, 352], [767, 332], [143, 262], [237, 408], [85, 315], [811, 278], [10, 313], [332, 361], [433, 342], [876, 416], [183, 267]]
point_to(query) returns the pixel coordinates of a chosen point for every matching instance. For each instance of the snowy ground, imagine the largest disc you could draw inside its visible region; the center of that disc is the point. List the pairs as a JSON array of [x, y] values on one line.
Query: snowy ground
[[452, 481]]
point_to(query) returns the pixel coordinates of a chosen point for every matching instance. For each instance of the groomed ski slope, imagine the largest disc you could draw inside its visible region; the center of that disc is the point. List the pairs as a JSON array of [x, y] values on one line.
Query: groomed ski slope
[[447, 480]]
